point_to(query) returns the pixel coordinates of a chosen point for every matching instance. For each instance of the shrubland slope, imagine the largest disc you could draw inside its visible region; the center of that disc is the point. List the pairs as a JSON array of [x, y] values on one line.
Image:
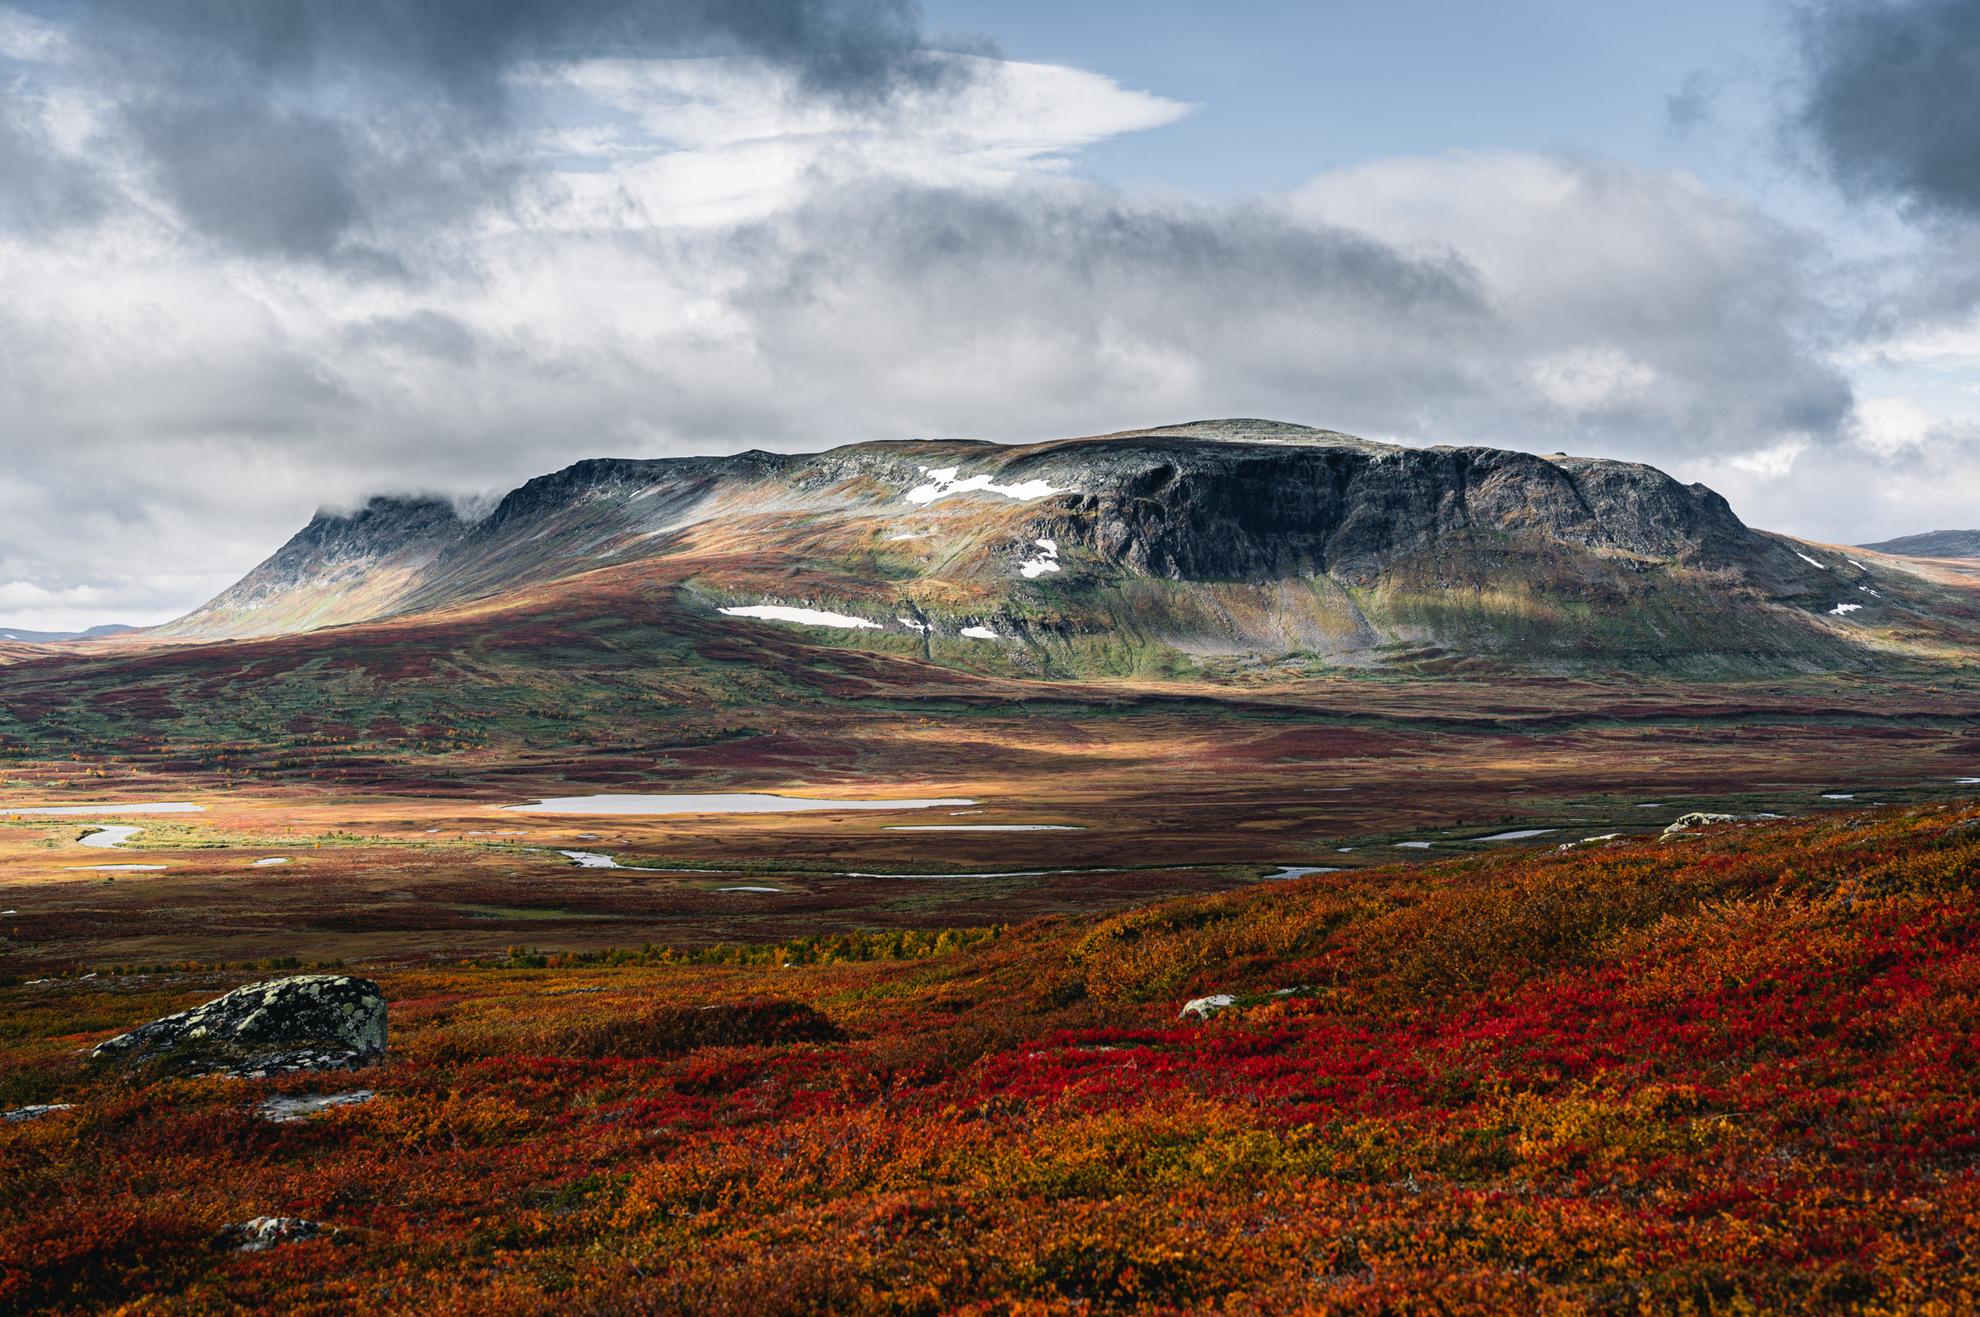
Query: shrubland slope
[[1730, 1073]]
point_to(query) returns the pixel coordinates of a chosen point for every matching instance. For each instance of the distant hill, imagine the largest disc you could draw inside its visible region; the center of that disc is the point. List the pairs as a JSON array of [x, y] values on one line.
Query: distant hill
[[21, 635], [1151, 551], [1933, 544]]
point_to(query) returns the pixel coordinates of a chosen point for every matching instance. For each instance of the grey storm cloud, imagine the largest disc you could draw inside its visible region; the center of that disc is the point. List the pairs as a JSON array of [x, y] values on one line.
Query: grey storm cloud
[[1889, 99], [316, 129], [1094, 246], [41, 190], [261, 179], [459, 50], [424, 334], [1098, 301]]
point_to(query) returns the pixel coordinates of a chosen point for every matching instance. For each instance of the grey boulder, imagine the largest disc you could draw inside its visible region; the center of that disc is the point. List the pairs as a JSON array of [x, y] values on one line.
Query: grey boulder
[[1700, 819], [309, 1022], [291, 1109], [1202, 1008], [266, 1232]]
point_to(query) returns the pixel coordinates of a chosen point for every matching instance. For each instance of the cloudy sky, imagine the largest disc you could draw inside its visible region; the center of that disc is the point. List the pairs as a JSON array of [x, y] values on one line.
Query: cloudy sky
[[258, 256]]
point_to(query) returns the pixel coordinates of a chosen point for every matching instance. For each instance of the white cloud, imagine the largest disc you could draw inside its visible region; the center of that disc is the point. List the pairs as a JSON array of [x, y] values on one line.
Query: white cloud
[[24, 37], [703, 261], [32, 607], [1656, 315], [1888, 426], [723, 141], [1932, 344], [1583, 380], [1900, 469], [1773, 463]]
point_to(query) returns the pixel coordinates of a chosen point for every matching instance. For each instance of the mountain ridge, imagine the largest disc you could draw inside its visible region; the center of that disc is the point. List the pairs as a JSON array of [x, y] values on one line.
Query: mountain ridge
[[1206, 537], [23, 636], [1932, 544]]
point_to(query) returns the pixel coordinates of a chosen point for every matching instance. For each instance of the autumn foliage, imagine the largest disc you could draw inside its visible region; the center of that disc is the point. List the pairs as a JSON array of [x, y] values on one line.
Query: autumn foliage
[[1735, 1073]]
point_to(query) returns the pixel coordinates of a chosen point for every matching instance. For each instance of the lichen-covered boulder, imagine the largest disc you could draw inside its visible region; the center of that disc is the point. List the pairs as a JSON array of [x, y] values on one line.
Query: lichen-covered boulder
[[1202, 1008], [266, 1232], [1701, 819], [309, 1022], [293, 1108]]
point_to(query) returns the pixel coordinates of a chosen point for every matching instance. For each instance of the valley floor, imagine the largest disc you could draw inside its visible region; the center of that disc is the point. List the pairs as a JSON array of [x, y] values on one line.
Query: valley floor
[[1087, 798], [1730, 1073]]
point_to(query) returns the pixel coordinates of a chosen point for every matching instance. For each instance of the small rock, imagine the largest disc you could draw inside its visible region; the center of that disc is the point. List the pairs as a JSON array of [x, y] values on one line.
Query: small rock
[[19, 1114], [1700, 819], [1202, 1008], [265, 1232], [287, 1110], [309, 1022]]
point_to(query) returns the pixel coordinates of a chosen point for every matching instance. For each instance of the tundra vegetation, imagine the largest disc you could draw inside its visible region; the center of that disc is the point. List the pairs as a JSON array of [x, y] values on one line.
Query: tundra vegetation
[[1729, 1071]]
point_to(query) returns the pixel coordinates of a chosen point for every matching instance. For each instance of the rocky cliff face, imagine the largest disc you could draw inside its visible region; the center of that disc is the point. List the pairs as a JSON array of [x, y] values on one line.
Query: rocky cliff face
[[1186, 509]]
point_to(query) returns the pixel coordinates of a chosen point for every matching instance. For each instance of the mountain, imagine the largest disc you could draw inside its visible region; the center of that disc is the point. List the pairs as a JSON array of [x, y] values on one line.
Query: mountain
[[1148, 550], [1933, 544], [20, 635], [341, 567]]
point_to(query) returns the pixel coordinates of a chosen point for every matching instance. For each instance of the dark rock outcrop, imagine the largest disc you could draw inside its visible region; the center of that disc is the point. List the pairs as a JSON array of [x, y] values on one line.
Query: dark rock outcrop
[[309, 1022], [1175, 506]]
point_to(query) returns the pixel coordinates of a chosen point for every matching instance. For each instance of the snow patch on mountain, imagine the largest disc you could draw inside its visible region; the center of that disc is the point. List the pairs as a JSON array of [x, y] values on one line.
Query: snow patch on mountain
[[803, 616], [944, 481], [1045, 560]]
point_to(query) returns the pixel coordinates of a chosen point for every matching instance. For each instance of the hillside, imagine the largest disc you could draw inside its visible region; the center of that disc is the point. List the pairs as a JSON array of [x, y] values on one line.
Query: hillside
[[1729, 1072], [1148, 552], [1933, 544], [20, 635]]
